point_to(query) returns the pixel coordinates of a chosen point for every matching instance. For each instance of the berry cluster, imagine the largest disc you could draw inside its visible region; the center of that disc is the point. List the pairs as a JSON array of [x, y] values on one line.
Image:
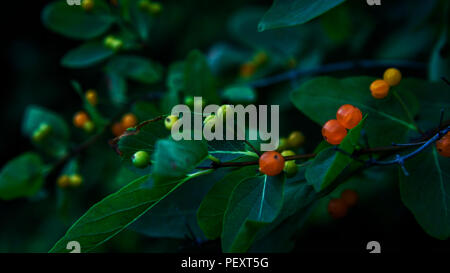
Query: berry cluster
[[248, 69], [128, 120], [380, 87], [82, 120], [335, 130], [65, 181], [338, 207]]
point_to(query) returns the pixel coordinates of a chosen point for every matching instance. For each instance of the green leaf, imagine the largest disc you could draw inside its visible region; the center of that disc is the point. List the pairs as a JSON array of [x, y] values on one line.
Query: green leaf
[[175, 216], [239, 94], [198, 79], [21, 177], [212, 209], [88, 54], [439, 65], [329, 163], [117, 211], [175, 159], [117, 87], [140, 19], [426, 192], [321, 97], [286, 13], [136, 68], [74, 22], [56, 143], [255, 202]]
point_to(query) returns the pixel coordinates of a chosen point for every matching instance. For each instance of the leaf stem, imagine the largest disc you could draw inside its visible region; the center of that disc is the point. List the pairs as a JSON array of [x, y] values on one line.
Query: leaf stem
[[408, 113]]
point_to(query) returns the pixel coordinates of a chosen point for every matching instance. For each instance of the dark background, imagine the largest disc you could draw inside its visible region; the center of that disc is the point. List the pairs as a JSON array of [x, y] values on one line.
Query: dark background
[[32, 75]]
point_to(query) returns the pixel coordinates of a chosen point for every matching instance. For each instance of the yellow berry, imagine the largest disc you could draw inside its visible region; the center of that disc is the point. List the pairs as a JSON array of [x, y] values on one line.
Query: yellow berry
[[154, 8], [89, 126], [91, 97], [296, 139], [392, 76], [87, 5], [63, 181], [75, 180], [170, 121]]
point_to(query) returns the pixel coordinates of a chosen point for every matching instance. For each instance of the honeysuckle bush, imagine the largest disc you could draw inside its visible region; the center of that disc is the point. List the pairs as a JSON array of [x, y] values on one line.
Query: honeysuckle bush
[[212, 190]]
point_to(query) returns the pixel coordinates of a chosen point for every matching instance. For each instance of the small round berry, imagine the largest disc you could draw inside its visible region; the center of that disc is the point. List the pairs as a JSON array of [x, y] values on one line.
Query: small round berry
[[296, 139], [141, 159], [91, 97], [155, 8], [143, 4], [89, 126], [247, 70], [75, 180], [337, 208], [443, 145], [379, 89], [87, 5], [350, 197], [129, 120], [260, 58], [63, 181], [287, 153], [349, 116], [113, 43], [392, 76], [283, 145], [333, 132], [189, 101], [80, 119], [170, 121], [224, 110], [290, 168], [117, 129], [271, 163]]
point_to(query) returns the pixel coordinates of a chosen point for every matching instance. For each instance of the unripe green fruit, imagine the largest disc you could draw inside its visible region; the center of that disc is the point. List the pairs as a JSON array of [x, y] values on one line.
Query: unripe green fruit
[[75, 180], [283, 144], [89, 126], [41, 132], [223, 110], [290, 168], [170, 121], [141, 159], [189, 101], [113, 43]]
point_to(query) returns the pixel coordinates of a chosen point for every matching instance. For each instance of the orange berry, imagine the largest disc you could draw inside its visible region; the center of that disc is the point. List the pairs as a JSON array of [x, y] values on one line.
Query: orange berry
[[247, 70], [337, 208], [271, 163], [80, 119], [333, 132], [129, 120], [117, 129], [91, 97], [349, 116], [379, 89], [392, 76], [443, 145], [350, 197], [63, 181]]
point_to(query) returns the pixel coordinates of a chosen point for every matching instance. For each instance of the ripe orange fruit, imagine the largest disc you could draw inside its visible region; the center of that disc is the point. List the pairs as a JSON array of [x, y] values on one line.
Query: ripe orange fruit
[[63, 181], [117, 129], [333, 132], [271, 163], [129, 120], [337, 208], [443, 145], [350, 197], [80, 119], [349, 116], [379, 89], [247, 70]]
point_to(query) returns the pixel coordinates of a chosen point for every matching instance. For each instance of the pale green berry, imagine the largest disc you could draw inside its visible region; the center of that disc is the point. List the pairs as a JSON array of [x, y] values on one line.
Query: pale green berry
[[141, 159]]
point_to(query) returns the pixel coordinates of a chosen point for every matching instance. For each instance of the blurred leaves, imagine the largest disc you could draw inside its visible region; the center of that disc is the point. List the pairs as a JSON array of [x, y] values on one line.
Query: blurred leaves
[[21, 177], [86, 55]]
